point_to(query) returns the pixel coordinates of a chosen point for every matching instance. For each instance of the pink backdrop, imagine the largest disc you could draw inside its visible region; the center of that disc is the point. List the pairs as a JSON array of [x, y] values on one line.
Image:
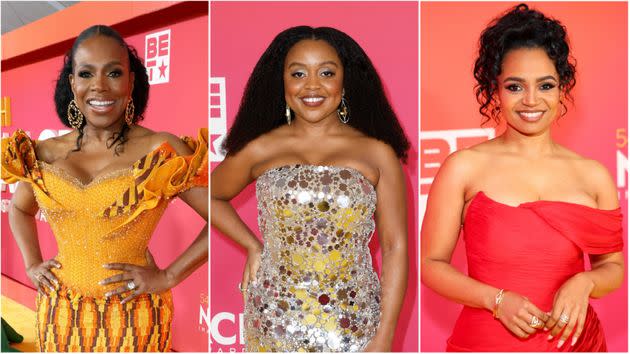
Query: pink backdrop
[[240, 32], [596, 126], [31, 89]]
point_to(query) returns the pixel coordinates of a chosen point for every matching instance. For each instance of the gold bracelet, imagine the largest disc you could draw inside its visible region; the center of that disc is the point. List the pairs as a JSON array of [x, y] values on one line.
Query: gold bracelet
[[497, 301]]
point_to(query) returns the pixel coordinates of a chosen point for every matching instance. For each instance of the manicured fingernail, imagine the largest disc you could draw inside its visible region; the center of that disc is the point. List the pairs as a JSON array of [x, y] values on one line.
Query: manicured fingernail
[[545, 329], [560, 343], [100, 282], [550, 337], [105, 265], [108, 294], [573, 341]]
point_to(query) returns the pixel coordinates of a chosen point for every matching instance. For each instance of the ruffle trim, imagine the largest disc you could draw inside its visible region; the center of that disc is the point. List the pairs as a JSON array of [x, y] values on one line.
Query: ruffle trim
[[161, 174], [19, 162]]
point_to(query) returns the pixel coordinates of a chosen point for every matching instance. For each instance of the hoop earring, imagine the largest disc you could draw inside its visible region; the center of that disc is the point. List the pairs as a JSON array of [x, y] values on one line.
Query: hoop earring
[[75, 117], [287, 113], [343, 112], [129, 111]]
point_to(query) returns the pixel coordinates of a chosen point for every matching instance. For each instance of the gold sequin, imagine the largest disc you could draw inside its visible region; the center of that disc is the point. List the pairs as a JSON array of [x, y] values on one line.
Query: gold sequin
[[316, 286], [94, 224]]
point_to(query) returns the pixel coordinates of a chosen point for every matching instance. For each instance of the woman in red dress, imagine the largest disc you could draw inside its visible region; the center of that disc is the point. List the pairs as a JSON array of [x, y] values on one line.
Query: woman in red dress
[[530, 208]]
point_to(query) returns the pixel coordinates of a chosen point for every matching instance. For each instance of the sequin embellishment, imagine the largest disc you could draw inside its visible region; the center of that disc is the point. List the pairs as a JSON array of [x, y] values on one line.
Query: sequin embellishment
[[316, 289]]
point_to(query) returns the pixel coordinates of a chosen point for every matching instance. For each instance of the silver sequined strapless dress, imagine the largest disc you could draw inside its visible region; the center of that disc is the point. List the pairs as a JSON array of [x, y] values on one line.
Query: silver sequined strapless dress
[[316, 289]]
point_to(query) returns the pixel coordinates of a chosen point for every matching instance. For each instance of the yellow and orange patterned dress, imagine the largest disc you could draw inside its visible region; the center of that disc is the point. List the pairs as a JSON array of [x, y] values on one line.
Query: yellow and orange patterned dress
[[109, 220]]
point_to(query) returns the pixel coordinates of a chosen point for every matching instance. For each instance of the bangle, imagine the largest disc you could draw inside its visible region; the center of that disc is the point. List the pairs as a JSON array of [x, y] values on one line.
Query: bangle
[[498, 298]]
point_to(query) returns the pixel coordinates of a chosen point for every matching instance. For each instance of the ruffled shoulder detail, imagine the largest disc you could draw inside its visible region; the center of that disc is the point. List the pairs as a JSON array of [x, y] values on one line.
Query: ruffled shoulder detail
[[19, 162], [162, 174], [595, 231]]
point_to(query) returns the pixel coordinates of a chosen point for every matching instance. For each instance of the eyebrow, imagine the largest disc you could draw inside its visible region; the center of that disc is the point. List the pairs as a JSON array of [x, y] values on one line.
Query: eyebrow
[[328, 62], [90, 66], [518, 79]]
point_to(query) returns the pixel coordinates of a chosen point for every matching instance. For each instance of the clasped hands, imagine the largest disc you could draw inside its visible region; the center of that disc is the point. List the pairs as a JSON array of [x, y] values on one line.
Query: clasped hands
[[568, 313], [136, 279]]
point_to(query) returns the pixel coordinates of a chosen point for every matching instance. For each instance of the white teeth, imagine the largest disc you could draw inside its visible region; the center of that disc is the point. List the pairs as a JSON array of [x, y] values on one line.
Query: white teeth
[[100, 103], [313, 99], [531, 114]]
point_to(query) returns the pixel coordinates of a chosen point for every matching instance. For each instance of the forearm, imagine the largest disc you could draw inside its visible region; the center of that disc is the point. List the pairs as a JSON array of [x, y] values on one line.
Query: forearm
[[193, 257], [24, 229], [449, 282], [224, 218], [605, 278], [393, 287]]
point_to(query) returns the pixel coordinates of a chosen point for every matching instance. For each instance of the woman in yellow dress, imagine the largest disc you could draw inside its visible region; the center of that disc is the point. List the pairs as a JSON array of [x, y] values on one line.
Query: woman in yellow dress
[[103, 188]]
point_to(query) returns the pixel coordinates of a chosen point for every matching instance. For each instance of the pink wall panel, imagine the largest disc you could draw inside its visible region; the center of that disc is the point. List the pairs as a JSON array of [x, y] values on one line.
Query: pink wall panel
[[240, 32], [179, 107], [596, 126]]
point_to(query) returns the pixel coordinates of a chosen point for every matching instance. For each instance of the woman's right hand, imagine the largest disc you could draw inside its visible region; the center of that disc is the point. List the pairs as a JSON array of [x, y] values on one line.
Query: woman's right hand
[[515, 312], [41, 275], [251, 267]]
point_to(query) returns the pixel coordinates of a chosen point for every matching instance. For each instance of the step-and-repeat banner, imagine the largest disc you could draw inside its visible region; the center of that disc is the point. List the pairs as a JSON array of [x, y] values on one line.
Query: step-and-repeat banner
[[176, 57], [595, 126], [240, 32]]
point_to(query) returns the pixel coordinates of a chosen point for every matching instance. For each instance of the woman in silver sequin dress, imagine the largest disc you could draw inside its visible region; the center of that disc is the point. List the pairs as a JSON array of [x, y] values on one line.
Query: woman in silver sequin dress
[[318, 135]]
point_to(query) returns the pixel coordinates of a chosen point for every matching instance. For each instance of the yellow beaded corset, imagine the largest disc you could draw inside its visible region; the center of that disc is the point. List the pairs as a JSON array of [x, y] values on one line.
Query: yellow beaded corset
[[112, 218]]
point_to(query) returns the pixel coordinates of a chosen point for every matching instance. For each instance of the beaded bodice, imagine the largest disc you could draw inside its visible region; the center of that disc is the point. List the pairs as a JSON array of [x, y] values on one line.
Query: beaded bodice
[[85, 239], [111, 219], [316, 279]]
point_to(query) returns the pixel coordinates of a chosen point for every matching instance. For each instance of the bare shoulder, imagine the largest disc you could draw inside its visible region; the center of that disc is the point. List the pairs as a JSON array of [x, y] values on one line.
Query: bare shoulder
[[56, 147], [465, 162], [592, 169], [154, 139], [596, 175], [267, 145], [380, 152], [603, 184]]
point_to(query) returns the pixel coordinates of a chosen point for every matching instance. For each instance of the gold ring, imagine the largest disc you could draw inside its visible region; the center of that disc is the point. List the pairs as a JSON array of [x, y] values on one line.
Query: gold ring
[[536, 323]]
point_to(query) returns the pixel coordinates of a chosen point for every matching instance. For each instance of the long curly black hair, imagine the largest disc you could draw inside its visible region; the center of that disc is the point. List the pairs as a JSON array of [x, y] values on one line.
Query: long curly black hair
[[140, 94], [263, 104], [519, 27]]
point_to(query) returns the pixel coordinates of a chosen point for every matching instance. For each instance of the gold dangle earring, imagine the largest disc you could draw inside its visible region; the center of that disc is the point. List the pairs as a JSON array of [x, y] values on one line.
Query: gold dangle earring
[[75, 117], [343, 111], [287, 113], [129, 111]]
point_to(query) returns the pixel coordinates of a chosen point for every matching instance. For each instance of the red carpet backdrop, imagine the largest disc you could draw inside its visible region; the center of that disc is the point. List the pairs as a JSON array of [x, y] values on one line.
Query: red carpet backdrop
[[595, 126], [240, 32], [172, 39]]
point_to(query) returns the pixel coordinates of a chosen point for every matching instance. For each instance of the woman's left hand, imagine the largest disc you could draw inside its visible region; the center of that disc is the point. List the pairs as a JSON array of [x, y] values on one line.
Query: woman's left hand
[[137, 279], [569, 308], [378, 344]]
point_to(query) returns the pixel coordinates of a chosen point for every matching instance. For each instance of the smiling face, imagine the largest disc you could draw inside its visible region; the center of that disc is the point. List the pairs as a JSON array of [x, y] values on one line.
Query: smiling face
[[101, 80], [528, 90], [313, 80]]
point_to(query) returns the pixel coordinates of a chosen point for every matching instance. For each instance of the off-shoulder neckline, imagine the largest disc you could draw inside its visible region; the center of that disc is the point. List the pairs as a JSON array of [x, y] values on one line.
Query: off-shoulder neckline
[[542, 201], [60, 172]]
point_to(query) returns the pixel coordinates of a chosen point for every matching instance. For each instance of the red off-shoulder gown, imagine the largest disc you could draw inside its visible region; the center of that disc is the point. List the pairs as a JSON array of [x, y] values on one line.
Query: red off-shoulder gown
[[531, 249]]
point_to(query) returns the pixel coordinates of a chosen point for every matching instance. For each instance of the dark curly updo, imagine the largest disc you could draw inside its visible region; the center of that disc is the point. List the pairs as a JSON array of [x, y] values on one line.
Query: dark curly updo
[[263, 103], [520, 27], [140, 94]]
